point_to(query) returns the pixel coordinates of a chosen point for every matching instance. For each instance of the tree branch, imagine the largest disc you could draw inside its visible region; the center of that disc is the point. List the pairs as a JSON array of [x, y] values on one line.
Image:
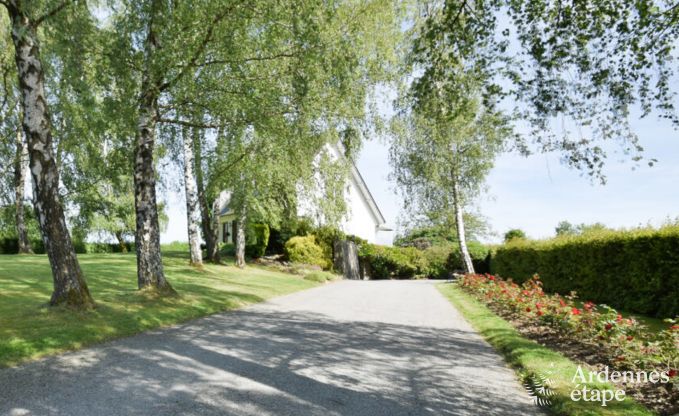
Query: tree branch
[[252, 59], [190, 123], [51, 13], [200, 50]]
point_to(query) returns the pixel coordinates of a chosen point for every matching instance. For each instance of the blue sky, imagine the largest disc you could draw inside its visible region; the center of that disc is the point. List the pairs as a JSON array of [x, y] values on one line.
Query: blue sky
[[535, 193]]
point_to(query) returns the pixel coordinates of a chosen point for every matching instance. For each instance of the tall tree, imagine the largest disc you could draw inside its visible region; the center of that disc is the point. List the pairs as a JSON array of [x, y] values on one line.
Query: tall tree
[[69, 284], [582, 66], [20, 167], [193, 216], [444, 144], [13, 152]]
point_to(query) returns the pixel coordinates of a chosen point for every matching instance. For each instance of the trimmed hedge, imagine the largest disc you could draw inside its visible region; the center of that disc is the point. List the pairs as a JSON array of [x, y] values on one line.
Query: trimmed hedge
[[438, 262], [637, 271], [10, 245], [479, 253], [382, 262]]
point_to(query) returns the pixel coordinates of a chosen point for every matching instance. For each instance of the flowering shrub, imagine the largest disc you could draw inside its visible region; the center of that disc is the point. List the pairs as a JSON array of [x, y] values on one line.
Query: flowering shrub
[[624, 340]]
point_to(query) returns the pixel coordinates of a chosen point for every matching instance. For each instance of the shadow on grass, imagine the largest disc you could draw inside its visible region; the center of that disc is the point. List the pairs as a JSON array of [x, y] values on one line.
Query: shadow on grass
[[29, 329]]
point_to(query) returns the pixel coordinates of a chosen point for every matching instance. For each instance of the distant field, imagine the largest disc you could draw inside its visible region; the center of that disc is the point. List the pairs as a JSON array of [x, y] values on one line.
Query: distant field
[[29, 329]]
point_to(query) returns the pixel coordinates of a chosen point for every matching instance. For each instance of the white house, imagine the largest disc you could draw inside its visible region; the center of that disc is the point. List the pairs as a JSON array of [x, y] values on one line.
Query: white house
[[363, 218]]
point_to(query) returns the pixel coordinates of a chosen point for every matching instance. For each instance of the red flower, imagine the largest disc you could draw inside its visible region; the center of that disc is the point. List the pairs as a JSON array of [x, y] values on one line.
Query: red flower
[[540, 313], [672, 373], [491, 277], [588, 306], [575, 311], [526, 293], [674, 328], [619, 318], [538, 305], [562, 302], [528, 309], [629, 337], [609, 327]]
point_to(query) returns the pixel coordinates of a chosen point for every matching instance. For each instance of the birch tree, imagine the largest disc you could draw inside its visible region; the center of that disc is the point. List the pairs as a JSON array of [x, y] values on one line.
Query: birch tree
[[14, 153], [193, 215], [444, 145], [20, 168], [25, 19]]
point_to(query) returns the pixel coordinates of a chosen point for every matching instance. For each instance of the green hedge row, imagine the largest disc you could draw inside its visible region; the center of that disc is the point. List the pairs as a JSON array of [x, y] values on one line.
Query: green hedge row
[[10, 245], [381, 262], [637, 271]]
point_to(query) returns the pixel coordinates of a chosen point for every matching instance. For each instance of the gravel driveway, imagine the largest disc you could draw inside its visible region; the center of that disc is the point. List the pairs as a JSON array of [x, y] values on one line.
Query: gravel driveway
[[349, 348]]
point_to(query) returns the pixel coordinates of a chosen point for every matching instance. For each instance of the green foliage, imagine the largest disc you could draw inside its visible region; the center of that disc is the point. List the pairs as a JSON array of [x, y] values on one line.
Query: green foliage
[[565, 228], [258, 234], [8, 222], [430, 234], [514, 234], [438, 261], [98, 248], [479, 253], [636, 270], [326, 236], [305, 249], [382, 262]]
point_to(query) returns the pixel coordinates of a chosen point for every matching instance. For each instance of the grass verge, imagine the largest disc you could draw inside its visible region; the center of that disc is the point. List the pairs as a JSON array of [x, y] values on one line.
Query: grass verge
[[29, 329], [530, 358]]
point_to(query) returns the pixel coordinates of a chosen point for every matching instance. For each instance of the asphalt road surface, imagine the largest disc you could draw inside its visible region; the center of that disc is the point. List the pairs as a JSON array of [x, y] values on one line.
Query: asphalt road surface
[[348, 348]]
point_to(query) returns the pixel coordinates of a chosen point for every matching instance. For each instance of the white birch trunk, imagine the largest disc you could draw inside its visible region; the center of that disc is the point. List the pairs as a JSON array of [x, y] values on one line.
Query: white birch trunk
[[20, 167], [150, 274], [240, 240], [459, 225], [192, 205], [69, 284]]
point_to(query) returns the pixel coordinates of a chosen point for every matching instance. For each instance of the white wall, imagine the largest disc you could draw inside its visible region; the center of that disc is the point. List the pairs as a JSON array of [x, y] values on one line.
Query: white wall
[[359, 220]]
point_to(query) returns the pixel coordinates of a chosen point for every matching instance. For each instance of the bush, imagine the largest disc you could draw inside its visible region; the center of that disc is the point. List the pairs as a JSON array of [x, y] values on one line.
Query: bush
[[479, 253], [109, 247], [382, 262], [9, 245], [437, 258], [637, 270], [258, 235], [227, 249], [321, 277], [305, 250], [514, 234]]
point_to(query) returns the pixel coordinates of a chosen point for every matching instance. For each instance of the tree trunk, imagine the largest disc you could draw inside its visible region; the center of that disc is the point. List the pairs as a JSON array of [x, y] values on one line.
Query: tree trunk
[[121, 241], [209, 231], [150, 273], [459, 225], [69, 285], [192, 206], [20, 165], [240, 240]]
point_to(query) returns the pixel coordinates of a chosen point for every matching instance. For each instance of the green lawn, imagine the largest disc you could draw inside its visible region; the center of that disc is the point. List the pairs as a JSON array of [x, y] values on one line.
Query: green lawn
[[528, 357], [29, 329]]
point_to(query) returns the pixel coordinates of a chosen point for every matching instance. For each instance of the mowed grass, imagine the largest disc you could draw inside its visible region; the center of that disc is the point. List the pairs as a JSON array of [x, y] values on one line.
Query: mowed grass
[[29, 329], [528, 357]]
